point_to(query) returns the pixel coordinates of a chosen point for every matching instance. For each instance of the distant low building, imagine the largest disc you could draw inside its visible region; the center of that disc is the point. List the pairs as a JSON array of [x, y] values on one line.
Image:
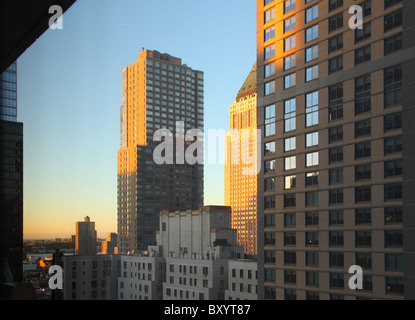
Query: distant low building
[[109, 245], [86, 238]]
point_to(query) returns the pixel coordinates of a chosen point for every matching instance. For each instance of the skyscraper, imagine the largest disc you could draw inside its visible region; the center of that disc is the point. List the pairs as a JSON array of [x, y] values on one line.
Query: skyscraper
[[335, 105], [240, 175], [86, 238], [158, 92], [11, 177]]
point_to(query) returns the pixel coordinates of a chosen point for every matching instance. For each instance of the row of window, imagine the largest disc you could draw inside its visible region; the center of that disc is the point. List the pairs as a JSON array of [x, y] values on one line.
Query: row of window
[[392, 215], [393, 285], [336, 154], [392, 168], [392, 239], [392, 192]]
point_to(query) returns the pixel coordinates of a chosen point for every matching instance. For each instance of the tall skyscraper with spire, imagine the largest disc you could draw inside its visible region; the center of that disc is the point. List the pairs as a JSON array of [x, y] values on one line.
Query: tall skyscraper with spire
[[158, 91], [240, 174]]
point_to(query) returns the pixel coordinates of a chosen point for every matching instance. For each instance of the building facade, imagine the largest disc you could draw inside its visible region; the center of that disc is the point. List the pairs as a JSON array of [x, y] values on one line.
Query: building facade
[[86, 238], [11, 177], [159, 92], [240, 164], [242, 280], [335, 105], [91, 277]]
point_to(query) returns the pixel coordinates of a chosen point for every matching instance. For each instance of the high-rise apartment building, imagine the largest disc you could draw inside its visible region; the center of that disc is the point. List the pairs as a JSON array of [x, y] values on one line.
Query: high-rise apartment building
[[335, 106], [159, 92], [240, 172], [11, 177], [86, 238]]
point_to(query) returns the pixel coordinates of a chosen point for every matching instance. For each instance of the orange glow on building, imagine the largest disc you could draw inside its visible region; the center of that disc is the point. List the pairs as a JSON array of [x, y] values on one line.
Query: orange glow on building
[[240, 187]]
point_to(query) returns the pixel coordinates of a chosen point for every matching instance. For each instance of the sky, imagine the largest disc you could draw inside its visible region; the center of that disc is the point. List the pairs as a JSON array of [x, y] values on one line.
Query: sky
[[70, 93]]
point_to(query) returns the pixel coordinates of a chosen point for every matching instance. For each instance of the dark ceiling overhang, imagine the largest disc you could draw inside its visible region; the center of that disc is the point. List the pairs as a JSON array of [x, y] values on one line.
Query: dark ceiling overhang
[[22, 22]]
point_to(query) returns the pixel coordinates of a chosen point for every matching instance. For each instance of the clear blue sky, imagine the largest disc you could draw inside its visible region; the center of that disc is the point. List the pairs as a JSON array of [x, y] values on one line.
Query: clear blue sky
[[70, 92]]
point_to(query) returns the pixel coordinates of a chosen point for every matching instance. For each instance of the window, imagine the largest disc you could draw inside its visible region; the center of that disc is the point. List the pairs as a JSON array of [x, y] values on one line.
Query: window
[[269, 220], [289, 43], [289, 201], [336, 238], [269, 51], [289, 220], [312, 278], [363, 216], [269, 70], [269, 87], [311, 53], [363, 172], [363, 239], [269, 274], [311, 33], [270, 120], [390, 3], [393, 20], [269, 148], [362, 128], [269, 33], [311, 199], [363, 54], [363, 194], [269, 257], [289, 81], [312, 109], [311, 73], [392, 121], [267, 2], [312, 259], [336, 64], [289, 62], [311, 238], [290, 258], [393, 43], [335, 43], [393, 86], [269, 184], [290, 144], [311, 13], [364, 260], [393, 262], [336, 22], [312, 159], [367, 8], [393, 168], [269, 202], [392, 145], [362, 94], [269, 166], [290, 182], [394, 285], [289, 5], [336, 280], [289, 24], [289, 239], [362, 34], [393, 215], [335, 154], [290, 163], [336, 217], [335, 134], [336, 259], [311, 179], [311, 139], [311, 219], [336, 102], [362, 150], [269, 15], [334, 4], [336, 176], [289, 115], [393, 191], [393, 239], [336, 196]]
